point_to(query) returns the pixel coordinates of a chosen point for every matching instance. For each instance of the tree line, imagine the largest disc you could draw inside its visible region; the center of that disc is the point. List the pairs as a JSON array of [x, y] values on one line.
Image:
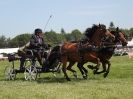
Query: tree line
[[52, 37]]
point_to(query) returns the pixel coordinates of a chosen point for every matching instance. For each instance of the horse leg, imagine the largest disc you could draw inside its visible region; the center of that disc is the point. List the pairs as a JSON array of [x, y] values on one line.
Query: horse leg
[[85, 71], [95, 71], [64, 69], [91, 67], [104, 68], [80, 66], [70, 69], [108, 69]]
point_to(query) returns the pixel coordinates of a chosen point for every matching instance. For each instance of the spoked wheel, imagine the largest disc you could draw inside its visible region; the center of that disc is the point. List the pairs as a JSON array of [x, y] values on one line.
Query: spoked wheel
[[57, 70], [30, 73], [10, 73]]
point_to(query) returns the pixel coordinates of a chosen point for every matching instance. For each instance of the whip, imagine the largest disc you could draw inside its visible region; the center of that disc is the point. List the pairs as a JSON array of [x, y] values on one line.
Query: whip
[[47, 22]]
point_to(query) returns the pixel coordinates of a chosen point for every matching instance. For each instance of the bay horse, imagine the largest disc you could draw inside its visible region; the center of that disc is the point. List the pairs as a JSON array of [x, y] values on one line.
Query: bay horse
[[69, 51], [107, 52], [104, 54]]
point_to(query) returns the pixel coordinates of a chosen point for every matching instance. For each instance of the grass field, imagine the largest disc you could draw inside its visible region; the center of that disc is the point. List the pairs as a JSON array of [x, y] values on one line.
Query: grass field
[[118, 84]]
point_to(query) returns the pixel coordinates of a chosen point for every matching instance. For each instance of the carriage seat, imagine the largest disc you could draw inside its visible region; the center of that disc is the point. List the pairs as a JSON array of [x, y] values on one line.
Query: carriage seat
[[12, 57], [27, 53]]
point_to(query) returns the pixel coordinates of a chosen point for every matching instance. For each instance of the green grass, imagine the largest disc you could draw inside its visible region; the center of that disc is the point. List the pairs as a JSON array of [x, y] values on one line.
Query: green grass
[[118, 84]]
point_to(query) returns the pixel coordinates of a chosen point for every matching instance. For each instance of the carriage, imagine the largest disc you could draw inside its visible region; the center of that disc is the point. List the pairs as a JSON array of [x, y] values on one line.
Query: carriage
[[31, 67], [100, 38]]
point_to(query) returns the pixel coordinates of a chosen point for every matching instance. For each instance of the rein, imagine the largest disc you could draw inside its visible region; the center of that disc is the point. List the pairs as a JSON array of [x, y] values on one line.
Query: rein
[[107, 44], [91, 47]]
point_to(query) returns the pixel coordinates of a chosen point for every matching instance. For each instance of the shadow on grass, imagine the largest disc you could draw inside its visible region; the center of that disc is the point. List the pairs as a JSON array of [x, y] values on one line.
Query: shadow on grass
[[51, 80], [63, 80], [57, 80]]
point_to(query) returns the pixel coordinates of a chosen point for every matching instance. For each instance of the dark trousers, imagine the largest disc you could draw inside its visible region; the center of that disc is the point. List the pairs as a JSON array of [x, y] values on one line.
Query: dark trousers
[[37, 54]]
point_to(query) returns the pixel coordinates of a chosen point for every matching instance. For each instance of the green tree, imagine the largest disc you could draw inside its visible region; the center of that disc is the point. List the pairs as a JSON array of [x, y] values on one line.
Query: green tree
[[68, 37], [8, 42], [2, 41], [131, 31], [51, 37], [20, 40], [76, 35]]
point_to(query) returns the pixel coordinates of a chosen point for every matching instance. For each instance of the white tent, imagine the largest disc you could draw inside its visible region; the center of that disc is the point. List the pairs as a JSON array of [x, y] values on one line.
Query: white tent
[[130, 43], [9, 50]]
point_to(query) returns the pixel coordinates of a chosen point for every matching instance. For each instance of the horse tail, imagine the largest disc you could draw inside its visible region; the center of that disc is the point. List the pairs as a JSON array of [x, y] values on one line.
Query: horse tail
[[56, 52], [56, 49], [54, 57]]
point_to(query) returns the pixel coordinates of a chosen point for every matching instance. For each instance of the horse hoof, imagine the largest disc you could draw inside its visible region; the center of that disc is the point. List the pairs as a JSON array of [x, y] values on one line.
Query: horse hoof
[[68, 79], [85, 76], [75, 75], [90, 67], [105, 75], [94, 72]]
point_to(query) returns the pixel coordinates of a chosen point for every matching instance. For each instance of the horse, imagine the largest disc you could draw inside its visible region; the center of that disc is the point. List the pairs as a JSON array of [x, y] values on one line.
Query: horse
[[69, 52], [104, 54], [107, 52]]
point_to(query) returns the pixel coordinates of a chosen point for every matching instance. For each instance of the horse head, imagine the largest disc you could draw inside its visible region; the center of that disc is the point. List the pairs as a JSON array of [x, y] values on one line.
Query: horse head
[[99, 33], [120, 37]]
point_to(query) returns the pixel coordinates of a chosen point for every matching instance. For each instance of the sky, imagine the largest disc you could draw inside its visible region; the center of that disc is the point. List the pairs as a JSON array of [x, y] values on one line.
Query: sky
[[24, 16]]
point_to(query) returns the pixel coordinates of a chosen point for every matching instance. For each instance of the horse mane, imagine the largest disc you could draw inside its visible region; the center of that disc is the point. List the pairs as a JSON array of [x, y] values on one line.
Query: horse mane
[[73, 41], [90, 31], [103, 26], [56, 48]]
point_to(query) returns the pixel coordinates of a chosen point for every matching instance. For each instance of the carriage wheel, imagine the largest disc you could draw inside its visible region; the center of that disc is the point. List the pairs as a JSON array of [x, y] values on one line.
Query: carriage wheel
[[30, 73], [59, 69], [10, 73]]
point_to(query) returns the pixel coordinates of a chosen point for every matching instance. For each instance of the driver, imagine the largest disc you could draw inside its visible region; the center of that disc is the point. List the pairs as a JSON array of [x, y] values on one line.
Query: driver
[[36, 44]]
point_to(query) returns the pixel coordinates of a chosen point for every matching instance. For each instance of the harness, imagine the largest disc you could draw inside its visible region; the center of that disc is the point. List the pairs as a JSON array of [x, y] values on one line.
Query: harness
[[91, 47], [87, 47]]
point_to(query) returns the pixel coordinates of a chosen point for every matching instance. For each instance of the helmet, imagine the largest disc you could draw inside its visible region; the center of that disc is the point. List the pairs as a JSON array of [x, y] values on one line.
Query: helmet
[[37, 31]]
